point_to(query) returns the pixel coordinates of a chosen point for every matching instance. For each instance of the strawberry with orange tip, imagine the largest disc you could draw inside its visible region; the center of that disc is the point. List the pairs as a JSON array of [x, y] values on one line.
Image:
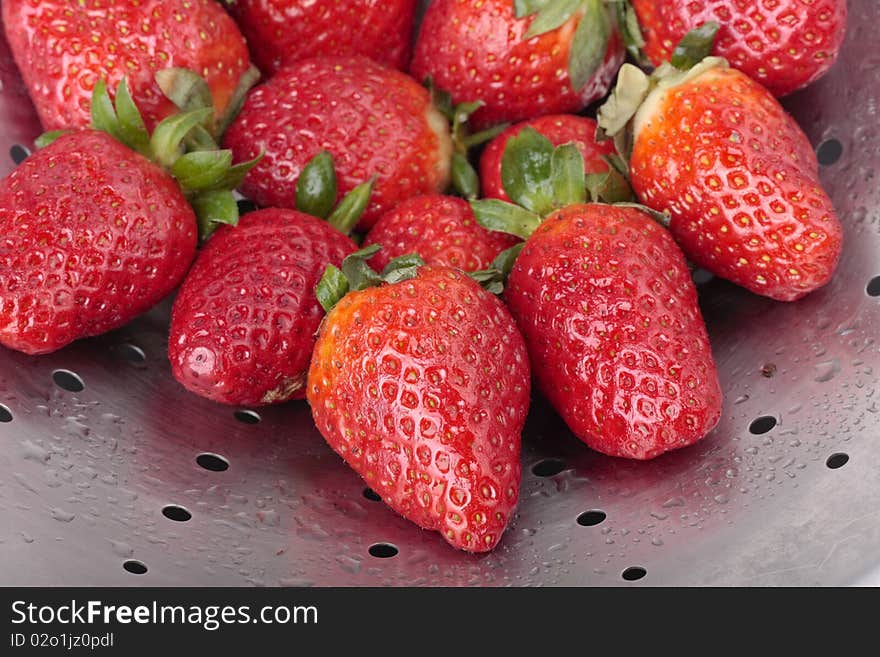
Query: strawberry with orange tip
[[735, 172]]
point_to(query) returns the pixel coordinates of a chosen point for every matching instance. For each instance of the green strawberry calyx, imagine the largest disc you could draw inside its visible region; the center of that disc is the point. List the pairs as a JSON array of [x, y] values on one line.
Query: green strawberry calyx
[[465, 181], [494, 278], [695, 46], [316, 191], [540, 179], [637, 93], [206, 175], [356, 275], [189, 91], [590, 43], [630, 31]]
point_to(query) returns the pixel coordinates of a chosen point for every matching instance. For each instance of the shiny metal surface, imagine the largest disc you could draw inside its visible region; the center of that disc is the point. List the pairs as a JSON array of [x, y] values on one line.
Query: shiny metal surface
[[85, 476]]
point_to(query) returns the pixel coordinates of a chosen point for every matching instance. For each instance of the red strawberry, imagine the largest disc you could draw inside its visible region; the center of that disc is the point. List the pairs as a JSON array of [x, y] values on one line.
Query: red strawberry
[[244, 321], [243, 325], [606, 303], [559, 129], [441, 229], [717, 152], [93, 235], [609, 312], [522, 62], [282, 31], [783, 44], [63, 48], [374, 120], [422, 386]]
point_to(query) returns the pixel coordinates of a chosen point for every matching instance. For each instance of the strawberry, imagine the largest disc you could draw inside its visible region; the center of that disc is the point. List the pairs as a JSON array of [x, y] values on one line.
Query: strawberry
[[606, 303], [373, 120], [95, 233], [63, 48], [422, 386], [783, 44], [521, 58], [244, 322], [739, 178], [441, 229], [282, 31], [559, 129]]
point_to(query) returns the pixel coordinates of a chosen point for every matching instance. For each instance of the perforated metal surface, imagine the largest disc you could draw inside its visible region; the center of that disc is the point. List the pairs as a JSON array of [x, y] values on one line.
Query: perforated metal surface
[[85, 476]]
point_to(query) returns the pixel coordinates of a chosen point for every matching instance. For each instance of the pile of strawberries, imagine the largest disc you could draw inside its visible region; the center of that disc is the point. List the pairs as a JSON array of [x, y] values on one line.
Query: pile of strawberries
[[439, 225]]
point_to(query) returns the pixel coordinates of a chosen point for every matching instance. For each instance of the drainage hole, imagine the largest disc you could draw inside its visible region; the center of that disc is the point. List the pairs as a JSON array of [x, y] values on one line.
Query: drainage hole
[[5, 414], [132, 353], [176, 513], [762, 424], [874, 287], [633, 573], [837, 460], [383, 550], [67, 380], [247, 417], [212, 462], [135, 567], [829, 152], [18, 153], [548, 467], [591, 518], [372, 495]]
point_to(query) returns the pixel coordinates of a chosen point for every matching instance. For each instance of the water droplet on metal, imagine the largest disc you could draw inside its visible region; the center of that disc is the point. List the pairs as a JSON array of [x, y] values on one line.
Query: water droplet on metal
[[349, 564], [61, 515], [121, 549], [826, 370]]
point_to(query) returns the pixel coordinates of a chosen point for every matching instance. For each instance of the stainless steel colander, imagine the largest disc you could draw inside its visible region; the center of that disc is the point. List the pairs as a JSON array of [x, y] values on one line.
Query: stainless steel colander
[[112, 474]]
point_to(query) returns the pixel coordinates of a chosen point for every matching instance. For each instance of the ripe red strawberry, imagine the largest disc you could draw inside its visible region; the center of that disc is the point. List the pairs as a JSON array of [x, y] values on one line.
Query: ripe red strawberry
[[244, 321], [93, 235], [63, 48], [739, 178], [607, 306], [441, 229], [783, 44], [422, 386], [282, 31], [559, 129], [373, 120], [606, 303], [521, 60]]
